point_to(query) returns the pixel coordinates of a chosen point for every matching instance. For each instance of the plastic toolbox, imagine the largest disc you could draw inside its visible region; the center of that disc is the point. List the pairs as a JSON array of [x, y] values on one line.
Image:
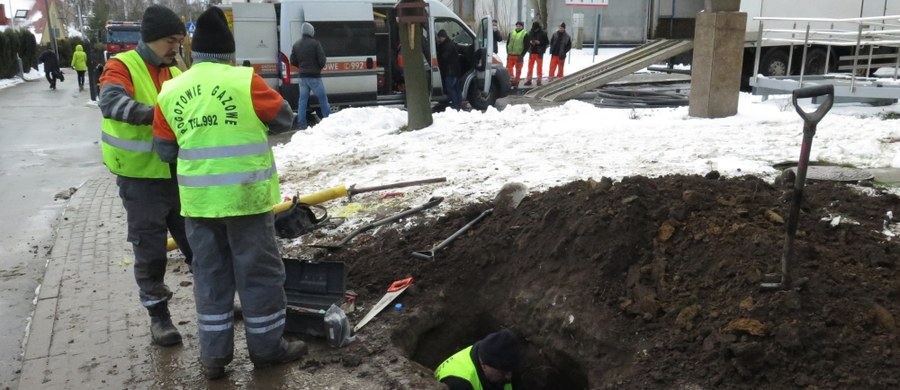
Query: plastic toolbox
[[311, 288]]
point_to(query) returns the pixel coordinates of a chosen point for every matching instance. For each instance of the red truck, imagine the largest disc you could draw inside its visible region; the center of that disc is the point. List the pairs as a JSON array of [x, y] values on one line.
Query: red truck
[[121, 36]]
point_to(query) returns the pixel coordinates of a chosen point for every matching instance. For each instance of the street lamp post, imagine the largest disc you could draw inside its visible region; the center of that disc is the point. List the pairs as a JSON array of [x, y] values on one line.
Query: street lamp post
[[48, 20]]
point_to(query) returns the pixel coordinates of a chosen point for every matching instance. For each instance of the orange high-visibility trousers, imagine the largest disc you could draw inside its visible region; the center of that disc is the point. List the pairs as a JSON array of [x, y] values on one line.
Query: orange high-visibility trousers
[[514, 62], [532, 59], [554, 62]]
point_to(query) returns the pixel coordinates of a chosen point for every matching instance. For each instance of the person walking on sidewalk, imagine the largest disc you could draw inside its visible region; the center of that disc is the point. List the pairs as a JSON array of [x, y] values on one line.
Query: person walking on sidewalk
[[214, 121], [51, 66], [560, 44], [129, 87], [79, 63], [515, 53], [537, 45], [488, 364], [308, 55]]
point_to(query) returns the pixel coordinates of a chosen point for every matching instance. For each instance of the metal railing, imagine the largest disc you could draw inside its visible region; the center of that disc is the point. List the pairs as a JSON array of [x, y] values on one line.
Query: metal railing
[[869, 32]]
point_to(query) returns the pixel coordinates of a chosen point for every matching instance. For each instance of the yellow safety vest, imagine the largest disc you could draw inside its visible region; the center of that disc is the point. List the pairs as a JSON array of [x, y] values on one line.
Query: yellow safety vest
[[516, 44], [127, 148], [225, 165], [461, 366]]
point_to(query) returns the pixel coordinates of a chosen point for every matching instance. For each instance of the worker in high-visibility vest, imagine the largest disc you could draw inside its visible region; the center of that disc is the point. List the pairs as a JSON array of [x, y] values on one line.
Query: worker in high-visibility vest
[[129, 87], [491, 363], [515, 53], [214, 120]]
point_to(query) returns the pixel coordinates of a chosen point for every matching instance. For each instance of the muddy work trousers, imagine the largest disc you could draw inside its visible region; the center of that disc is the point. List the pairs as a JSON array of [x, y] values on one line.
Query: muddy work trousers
[[153, 210], [238, 254]]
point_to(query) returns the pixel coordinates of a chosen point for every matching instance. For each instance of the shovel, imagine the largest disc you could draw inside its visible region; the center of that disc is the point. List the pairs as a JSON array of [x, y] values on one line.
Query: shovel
[[507, 199], [340, 245], [396, 288], [810, 120]]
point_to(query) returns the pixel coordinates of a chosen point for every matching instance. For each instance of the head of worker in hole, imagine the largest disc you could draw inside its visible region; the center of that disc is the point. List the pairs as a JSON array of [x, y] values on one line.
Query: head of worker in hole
[[163, 32], [499, 354]]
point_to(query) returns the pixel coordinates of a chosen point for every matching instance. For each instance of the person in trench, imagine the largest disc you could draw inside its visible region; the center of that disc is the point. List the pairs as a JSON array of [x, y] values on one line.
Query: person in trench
[[490, 364]]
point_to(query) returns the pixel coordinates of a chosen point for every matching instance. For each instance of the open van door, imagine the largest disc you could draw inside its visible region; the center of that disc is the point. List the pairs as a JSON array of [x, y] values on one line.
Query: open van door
[[484, 46], [346, 30], [255, 32]]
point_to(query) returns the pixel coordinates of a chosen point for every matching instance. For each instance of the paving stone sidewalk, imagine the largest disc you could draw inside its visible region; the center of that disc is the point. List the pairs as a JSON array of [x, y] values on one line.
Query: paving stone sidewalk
[[89, 329]]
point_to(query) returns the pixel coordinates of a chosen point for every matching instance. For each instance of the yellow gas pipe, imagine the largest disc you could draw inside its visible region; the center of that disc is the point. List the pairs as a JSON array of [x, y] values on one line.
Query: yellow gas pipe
[[334, 193], [315, 198]]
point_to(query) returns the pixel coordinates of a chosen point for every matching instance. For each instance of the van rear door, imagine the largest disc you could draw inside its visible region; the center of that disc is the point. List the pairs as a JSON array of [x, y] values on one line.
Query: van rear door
[[346, 30], [256, 38]]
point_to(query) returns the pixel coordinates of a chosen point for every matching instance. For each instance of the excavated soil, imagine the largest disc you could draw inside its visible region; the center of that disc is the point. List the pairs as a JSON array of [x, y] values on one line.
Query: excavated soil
[[643, 284]]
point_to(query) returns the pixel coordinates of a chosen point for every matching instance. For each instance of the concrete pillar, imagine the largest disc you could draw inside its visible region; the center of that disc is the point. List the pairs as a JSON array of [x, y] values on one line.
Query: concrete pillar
[[716, 65]]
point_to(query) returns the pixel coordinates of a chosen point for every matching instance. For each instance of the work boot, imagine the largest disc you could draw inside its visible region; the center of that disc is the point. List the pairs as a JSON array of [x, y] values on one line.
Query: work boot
[[527, 83], [294, 350], [213, 373], [162, 331]]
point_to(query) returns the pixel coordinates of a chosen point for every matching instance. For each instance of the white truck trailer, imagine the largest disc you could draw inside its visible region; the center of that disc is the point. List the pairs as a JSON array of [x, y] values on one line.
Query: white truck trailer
[[781, 47]]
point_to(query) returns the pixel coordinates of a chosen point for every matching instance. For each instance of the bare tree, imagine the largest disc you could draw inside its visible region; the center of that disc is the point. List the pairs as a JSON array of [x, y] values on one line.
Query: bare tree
[[540, 10]]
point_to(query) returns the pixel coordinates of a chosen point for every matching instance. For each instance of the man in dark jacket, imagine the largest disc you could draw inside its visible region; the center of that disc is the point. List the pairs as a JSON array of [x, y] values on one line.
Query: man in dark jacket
[[308, 55], [51, 66], [448, 63], [537, 45], [560, 44], [497, 36]]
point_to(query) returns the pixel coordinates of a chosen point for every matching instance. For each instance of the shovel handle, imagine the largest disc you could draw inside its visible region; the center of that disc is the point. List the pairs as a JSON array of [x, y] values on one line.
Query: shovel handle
[[813, 118]]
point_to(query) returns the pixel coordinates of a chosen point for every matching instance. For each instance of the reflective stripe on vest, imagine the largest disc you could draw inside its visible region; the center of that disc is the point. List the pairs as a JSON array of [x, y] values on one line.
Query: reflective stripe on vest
[[460, 365], [225, 165], [516, 44], [127, 148]]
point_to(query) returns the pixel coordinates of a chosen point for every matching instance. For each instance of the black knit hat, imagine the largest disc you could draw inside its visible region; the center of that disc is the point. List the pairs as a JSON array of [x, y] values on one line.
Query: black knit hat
[[500, 350], [160, 22], [563, 25], [212, 35]]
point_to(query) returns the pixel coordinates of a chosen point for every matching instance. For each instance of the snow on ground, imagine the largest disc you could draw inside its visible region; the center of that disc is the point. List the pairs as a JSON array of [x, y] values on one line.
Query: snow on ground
[[480, 151]]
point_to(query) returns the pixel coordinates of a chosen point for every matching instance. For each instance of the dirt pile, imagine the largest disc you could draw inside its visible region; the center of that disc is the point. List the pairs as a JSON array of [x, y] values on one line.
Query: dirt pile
[[649, 283]]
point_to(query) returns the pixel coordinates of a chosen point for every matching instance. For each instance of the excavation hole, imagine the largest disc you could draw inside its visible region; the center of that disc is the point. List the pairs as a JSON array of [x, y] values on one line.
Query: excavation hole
[[542, 368]]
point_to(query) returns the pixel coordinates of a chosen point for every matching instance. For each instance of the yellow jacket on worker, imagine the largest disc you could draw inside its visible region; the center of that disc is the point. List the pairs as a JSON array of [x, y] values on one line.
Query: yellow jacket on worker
[[225, 165], [462, 366], [127, 149]]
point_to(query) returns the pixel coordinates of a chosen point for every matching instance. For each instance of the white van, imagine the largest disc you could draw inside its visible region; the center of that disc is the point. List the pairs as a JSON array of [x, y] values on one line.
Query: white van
[[361, 41]]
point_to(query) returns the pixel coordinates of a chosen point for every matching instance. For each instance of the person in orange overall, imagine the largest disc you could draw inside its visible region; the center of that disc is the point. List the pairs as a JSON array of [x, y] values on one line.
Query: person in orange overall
[[560, 44], [537, 45], [515, 53]]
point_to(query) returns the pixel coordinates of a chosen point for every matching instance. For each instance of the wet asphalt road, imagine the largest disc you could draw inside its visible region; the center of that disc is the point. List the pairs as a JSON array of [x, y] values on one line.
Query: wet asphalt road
[[48, 144]]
